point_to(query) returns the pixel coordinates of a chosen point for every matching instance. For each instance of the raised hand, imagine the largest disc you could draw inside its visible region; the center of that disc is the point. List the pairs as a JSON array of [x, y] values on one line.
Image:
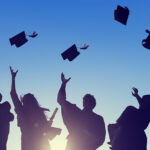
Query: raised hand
[[85, 46], [33, 35], [135, 92], [63, 79], [13, 73]]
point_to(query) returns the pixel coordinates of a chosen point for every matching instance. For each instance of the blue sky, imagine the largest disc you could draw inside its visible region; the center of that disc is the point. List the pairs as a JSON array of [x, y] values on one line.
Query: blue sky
[[113, 64]]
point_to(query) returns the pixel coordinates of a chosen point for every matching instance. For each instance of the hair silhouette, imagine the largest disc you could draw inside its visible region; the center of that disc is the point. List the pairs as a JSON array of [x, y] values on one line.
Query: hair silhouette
[[33, 109]]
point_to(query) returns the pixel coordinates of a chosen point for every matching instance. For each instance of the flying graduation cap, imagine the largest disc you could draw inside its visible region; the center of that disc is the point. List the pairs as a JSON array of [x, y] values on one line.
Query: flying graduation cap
[[71, 53], [121, 14], [20, 39], [146, 42]]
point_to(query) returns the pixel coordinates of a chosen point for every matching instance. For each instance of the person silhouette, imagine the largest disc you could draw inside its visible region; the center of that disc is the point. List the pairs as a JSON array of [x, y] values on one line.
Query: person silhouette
[[5, 118], [35, 128], [86, 128], [129, 132]]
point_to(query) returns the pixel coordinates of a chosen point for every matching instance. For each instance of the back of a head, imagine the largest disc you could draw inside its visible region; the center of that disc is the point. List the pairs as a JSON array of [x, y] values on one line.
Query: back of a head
[[32, 108], [6, 106], [89, 101], [29, 101]]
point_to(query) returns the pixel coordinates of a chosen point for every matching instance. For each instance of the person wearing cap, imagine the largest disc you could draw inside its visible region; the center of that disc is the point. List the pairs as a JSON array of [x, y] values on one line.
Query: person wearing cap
[[5, 118], [131, 125], [34, 126], [86, 128]]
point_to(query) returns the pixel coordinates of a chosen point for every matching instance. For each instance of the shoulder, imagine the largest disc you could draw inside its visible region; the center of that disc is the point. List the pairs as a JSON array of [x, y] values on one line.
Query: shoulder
[[128, 114], [130, 110], [70, 109], [71, 106], [98, 117]]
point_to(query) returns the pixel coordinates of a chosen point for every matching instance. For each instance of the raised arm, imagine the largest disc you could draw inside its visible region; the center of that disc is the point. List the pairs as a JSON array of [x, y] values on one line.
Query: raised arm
[[13, 92], [61, 98], [136, 95]]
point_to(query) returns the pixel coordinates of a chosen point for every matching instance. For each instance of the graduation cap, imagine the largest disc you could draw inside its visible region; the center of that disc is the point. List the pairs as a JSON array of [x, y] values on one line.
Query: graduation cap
[[121, 14], [71, 53], [20, 39], [146, 42]]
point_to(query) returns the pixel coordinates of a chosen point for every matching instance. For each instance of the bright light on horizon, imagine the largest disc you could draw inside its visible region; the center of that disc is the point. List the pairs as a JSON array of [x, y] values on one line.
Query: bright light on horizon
[[59, 143]]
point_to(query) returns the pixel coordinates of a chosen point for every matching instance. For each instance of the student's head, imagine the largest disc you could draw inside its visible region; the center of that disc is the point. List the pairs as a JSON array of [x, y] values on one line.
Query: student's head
[[0, 97], [29, 101], [6, 106], [89, 102], [32, 108]]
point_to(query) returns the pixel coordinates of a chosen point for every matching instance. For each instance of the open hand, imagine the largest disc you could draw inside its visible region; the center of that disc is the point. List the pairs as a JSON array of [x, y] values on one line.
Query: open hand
[[135, 92], [13, 73], [63, 79]]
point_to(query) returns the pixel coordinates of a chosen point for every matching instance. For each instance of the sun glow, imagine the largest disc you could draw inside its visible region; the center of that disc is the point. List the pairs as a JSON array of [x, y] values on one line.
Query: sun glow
[[59, 143]]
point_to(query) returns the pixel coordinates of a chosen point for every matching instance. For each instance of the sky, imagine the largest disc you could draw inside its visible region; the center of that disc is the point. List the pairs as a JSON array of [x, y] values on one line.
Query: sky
[[113, 64]]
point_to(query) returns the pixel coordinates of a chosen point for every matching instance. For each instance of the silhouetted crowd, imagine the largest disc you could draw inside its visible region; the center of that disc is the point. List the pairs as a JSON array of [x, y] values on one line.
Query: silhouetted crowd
[[86, 129]]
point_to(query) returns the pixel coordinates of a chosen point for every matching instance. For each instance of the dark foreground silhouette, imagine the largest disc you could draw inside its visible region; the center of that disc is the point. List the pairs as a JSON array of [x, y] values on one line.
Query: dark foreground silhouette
[[86, 128], [5, 117], [35, 129], [128, 133]]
